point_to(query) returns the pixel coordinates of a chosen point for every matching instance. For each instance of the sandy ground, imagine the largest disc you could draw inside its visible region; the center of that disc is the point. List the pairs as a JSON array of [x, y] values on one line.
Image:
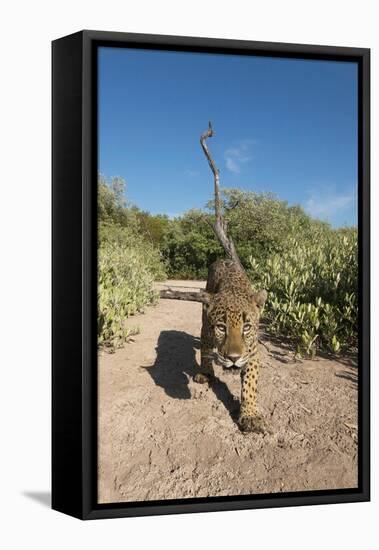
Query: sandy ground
[[162, 436]]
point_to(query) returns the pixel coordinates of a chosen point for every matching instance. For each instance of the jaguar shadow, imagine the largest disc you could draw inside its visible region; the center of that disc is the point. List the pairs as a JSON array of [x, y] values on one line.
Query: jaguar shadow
[[176, 365]]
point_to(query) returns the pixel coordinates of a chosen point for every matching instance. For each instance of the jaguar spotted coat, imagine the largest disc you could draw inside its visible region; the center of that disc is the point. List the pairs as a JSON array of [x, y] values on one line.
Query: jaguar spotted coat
[[229, 334]]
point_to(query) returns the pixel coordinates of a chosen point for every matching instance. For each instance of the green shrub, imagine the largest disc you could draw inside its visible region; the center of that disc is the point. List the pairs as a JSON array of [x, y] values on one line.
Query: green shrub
[[312, 288], [259, 223], [127, 267], [190, 246], [309, 269]]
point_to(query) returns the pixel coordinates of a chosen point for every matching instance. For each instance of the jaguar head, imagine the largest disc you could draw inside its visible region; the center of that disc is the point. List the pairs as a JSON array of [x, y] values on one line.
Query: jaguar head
[[234, 323]]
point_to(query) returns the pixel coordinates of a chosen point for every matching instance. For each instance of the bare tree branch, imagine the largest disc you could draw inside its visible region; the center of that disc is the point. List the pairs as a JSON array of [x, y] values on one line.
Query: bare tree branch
[[233, 206], [216, 173], [220, 225], [170, 294]]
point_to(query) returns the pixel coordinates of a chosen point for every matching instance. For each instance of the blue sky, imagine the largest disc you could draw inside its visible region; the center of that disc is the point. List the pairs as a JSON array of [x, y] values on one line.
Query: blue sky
[[281, 125]]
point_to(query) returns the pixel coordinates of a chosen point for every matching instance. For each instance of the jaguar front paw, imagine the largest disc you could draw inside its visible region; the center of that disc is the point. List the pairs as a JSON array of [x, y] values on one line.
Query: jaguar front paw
[[255, 424], [202, 378]]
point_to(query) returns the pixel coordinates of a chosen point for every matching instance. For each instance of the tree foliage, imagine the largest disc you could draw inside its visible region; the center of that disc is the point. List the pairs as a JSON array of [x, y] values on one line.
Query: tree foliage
[[312, 291], [259, 223], [309, 269], [127, 265]]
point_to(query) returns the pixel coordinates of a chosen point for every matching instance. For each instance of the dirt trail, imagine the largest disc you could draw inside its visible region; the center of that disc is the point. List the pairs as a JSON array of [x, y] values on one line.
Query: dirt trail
[[163, 436]]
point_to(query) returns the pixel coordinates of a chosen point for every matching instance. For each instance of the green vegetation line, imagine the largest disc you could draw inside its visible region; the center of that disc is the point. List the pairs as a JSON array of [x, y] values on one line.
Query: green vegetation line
[[309, 269]]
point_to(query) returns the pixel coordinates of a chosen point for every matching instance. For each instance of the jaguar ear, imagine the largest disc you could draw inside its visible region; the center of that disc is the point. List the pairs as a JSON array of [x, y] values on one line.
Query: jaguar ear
[[260, 298], [206, 298]]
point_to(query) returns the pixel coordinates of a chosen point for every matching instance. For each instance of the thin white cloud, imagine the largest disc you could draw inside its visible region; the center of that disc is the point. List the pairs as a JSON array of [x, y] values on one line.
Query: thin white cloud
[[235, 157], [325, 203], [232, 165], [191, 173]]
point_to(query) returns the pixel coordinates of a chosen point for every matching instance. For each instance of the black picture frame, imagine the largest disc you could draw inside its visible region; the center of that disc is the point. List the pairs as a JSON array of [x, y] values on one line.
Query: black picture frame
[[74, 295]]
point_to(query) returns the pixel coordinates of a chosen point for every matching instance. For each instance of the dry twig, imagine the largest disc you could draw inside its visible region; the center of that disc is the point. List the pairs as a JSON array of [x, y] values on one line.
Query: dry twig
[[220, 225]]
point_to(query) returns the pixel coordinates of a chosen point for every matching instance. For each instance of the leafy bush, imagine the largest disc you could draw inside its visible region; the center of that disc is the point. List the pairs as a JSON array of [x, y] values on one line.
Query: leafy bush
[[111, 204], [152, 228], [190, 246], [309, 269], [259, 224], [127, 267], [312, 290]]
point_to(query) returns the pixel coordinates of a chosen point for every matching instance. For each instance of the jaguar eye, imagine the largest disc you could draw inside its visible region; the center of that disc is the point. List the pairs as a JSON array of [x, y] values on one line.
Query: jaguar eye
[[221, 328], [246, 327]]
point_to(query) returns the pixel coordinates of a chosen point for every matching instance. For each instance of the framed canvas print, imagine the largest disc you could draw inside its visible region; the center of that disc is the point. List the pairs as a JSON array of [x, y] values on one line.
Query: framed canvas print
[[210, 275]]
